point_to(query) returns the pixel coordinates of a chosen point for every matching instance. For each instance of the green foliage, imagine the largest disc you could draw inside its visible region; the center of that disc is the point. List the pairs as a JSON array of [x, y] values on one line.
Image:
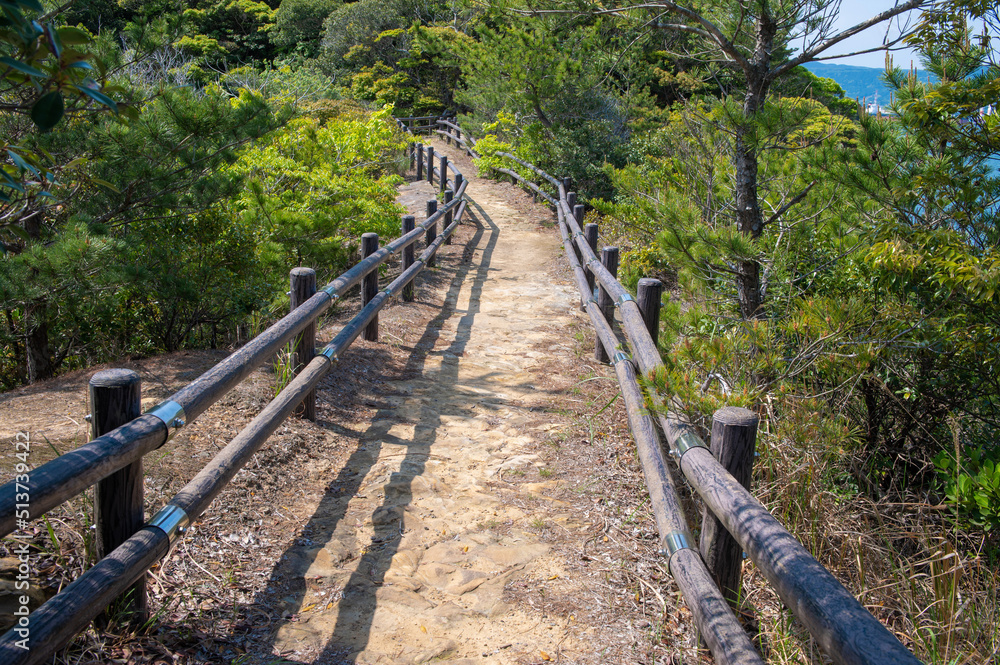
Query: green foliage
[[546, 76], [299, 23], [313, 189], [971, 484]]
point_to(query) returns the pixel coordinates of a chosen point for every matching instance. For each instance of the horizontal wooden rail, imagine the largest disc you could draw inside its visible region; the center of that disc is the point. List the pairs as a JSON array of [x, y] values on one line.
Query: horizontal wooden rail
[[839, 623], [69, 612], [71, 473], [531, 167], [716, 621], [530, 185]]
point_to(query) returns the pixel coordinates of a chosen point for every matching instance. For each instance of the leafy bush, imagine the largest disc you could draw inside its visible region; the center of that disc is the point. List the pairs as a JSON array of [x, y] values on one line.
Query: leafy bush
[[971, 484]]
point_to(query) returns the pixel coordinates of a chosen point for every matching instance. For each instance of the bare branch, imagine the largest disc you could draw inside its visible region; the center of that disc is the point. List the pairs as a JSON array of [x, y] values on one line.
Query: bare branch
[[811, 53], [783, 209]]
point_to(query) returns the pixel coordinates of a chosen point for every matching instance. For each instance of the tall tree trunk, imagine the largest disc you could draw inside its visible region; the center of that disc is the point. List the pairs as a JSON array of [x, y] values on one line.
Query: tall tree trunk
[[36, 343], [749, 218]]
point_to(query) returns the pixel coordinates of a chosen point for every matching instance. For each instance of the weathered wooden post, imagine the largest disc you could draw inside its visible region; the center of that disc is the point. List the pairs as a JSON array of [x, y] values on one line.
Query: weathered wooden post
[[444, 172], [303, 287], [449, 216], [430, 165], [590, 235], [571, 199], [458, 136], [734, 438], [409, 223], [115, 399], [420, 161], [432, 231], [369, 285], [459, 179], [650, 293], [567, 184], [609, 259]]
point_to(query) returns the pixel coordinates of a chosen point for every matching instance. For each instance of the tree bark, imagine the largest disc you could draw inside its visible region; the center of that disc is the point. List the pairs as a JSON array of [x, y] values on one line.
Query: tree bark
[[36, 343], [749, 218]]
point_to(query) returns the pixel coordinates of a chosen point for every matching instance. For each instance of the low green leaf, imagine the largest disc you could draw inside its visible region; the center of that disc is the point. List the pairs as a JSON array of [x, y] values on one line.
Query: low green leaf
[[48, 110], [33, 5], [71, 36], [21, 163], [106, 184], [99, 97], [54, 40], [21, 67]]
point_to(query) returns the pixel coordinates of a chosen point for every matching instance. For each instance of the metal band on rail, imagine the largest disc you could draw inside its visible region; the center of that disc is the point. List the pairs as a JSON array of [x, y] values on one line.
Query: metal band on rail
[[330, 355], [331, 291], [624, 298], [172, 521], [172, 415], [686, 442], [621, 356], [675, 541]]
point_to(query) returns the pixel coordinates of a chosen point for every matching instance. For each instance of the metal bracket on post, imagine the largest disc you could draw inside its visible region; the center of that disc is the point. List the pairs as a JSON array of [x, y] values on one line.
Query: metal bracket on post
[[686, 442], [330, 291], [624, 298], [172, 415], [620, 356], [676, 541], [172, 521], [329, 354]]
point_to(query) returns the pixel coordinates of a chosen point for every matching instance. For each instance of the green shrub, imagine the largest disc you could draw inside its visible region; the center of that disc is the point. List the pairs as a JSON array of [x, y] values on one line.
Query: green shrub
[[971, 484]]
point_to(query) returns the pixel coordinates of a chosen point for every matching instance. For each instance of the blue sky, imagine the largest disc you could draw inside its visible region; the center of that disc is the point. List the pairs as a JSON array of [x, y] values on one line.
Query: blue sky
[[853, 12]]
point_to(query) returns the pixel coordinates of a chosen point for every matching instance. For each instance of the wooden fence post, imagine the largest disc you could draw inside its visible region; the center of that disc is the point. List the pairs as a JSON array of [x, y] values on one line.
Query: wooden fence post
[[734, 438], [571, 199], [420, 161], [369, 285], [590, 235], [609, 259], [432, 231], [567, 184], [650, 293], [450, 215], [430, 165], [409, 223], [459, 179], [115, 399], [303, 287], [444, 172]]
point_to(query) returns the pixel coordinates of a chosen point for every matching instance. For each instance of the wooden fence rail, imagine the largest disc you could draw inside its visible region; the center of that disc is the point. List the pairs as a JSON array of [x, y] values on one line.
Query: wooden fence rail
[[61, 617], [842, 627]]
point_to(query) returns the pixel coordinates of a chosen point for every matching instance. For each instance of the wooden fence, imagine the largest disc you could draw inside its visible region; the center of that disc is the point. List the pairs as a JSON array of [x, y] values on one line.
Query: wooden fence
[[121, 436], [707, 573], [734, 522]]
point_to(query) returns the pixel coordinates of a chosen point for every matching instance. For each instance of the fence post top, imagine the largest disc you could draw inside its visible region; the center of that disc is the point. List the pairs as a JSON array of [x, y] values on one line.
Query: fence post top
[[735, 415], [302, 271], [109, 378]]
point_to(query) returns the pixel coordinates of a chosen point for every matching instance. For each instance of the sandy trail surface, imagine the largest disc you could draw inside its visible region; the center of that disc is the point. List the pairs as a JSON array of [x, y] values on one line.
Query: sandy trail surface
[[412, 567]]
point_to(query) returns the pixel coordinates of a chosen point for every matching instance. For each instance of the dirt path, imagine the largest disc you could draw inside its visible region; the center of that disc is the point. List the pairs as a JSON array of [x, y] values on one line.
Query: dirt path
[[438, 543], [466, 495]]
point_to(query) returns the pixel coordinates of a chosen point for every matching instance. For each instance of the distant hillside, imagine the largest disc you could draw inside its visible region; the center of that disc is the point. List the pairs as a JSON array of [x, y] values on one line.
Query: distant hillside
[[859, 82]]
